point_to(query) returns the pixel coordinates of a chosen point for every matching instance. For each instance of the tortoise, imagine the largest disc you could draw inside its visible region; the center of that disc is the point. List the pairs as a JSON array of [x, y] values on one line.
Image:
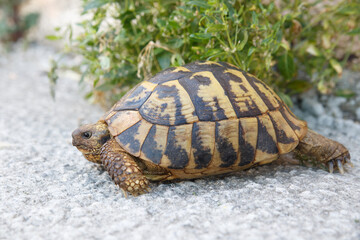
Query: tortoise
[[200, 119]]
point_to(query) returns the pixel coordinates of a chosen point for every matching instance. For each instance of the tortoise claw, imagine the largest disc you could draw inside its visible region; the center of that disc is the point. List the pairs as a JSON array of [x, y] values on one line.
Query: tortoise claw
[[331, 166], [348, 161], [339, 163], [124, 192], [140, 191], [340, 166]]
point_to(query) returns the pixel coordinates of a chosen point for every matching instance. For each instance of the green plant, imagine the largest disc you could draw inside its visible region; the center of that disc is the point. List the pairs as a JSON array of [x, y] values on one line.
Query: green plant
[[13, 26], [128, 40]]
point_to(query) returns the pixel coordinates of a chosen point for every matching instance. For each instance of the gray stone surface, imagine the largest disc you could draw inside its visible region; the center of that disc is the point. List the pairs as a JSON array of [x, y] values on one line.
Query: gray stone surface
[[313, 107], [357, 111], [49, 191]]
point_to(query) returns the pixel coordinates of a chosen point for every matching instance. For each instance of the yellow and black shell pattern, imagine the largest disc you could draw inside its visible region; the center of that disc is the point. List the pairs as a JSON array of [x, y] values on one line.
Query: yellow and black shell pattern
[[204, 115]]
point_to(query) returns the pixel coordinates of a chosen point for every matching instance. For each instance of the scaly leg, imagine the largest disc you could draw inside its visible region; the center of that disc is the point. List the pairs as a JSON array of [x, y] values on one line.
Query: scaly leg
[[319, 150], [123, 169]]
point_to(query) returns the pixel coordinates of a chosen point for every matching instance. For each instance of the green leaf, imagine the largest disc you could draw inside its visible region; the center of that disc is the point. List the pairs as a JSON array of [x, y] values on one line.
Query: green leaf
[[89, 95], [244, 41], [107, 86], [202, 4], [286, 65], [312, 50], [177, 60], [299, 86], [270, 7], [213, 53], [53, 37], [216, 28], [173, 24], [251, 51], [286, 98], [31, 20], [200, 36], [175, 43], [160, 22], [266, 41], [336, 65], [230, 7], [104, 62], [350, 9], [83, 75], [164, 59], [346, 93], [96, 81], [53, 77], [254, 18], [94, 4], [185, 12], [285, 45], [355, 31]]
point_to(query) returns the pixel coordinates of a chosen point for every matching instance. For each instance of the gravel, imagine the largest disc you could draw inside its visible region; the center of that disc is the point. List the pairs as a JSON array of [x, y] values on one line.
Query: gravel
[[313, 107], [357, 112], [49, 191]]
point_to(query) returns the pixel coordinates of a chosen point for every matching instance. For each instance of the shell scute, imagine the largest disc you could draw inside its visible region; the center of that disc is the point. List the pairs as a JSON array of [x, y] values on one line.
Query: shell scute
[[209, 98], [285, 135], [177, 152], [267, 150], [169, 75], [155, 142], [248, 131], [227, 141], [132, 138], [263, 92], [136, 98], [119, 121], [202, 144], [169, 104]]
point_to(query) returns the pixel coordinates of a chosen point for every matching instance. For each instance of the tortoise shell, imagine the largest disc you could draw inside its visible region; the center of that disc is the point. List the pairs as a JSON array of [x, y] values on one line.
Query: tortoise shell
[[204, 116]]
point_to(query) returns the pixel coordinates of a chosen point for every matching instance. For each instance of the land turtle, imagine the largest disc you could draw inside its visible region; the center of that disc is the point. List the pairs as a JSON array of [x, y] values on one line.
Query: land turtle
[[200, 119]]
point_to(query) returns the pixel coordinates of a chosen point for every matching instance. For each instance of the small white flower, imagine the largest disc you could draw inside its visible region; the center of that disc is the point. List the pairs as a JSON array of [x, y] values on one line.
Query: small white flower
[[134, 21]]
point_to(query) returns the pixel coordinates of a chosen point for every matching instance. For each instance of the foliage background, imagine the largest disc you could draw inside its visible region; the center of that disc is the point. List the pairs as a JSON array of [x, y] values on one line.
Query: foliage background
[[288, 44], [14, 26]]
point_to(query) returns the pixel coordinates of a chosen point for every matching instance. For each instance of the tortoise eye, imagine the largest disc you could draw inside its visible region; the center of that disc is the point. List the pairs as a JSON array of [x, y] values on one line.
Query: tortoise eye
[[86, 135]]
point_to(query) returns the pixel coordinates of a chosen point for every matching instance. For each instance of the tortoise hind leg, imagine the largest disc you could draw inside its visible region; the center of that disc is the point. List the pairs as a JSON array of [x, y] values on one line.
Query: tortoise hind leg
[[319, 150], [123, 169]]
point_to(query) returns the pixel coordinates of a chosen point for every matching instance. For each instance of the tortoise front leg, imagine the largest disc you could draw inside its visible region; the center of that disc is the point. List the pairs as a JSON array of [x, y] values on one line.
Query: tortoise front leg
[[123, 169], [317, 149]]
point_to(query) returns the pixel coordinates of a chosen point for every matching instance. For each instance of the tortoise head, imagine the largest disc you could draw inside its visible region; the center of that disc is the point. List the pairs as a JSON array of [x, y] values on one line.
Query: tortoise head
[[90, 138]]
